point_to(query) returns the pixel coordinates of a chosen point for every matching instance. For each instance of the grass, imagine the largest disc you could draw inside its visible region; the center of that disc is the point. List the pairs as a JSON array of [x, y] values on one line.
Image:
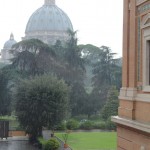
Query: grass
[[91, 140], [13, 122], [7, 118]]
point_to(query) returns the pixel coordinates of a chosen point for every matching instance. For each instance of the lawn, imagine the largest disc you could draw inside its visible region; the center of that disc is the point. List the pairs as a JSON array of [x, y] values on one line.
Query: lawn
[[91, 140], [13, 123]]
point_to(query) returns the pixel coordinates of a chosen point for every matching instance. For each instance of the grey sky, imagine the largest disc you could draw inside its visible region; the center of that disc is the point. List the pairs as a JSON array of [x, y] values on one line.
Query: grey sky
[[99, 22]]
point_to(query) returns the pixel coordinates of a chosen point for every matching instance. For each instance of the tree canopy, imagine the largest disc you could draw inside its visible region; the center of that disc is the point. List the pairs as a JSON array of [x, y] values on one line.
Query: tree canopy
[[41, 101], [5, 96]]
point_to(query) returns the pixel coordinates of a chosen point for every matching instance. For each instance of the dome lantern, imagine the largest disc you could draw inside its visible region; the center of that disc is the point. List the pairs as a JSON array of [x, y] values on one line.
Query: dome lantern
[[49, 2], [11, 36], [8, 44]]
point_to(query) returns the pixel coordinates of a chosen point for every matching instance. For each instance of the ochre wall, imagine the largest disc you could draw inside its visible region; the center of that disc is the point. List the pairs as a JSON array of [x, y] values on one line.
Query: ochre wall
[[128, 139], [136, 110], [133, 120]]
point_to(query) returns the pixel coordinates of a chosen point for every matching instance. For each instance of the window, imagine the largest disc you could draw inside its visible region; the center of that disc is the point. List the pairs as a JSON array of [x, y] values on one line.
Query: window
[[146, 65]]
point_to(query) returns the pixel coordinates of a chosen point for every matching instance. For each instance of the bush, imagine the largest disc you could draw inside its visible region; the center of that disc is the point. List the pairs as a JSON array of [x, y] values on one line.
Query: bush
[[99, 125], [110, 125], [87, 125], [72, 124], [61, 126], [51, 144]]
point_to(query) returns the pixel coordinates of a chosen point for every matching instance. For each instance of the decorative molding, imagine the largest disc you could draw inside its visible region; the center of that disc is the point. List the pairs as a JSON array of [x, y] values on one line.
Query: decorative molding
[[143, 98], [131, 123], [143, 8], [146, 47], [139, 2], [128, 93], [139, 48], [145, 21]]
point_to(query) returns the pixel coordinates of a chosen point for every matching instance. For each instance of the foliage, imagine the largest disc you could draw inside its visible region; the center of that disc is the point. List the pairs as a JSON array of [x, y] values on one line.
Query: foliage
[[41, 101], [106, 73], [110, 125], [99, 125], [61, 126], [65, 137], [33, 56], [73, 61], [2, 65], [78, 98], [42, 141], [104, 69], [5, 96], [87, 125], [111, 106], [13, 118], [52, 144], [91, 140], [72, 124]]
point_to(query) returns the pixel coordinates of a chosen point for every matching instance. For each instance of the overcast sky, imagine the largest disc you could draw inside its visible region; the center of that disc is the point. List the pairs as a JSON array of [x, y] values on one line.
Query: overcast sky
[[99, 22]]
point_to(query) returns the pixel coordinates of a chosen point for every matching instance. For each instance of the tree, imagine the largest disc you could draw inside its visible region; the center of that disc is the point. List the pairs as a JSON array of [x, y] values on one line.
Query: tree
[[104, 69], [41, 101], [33, 57], [106, 73], [5, 98], [78, 99], [111, 106], [90, 55], [74, 63]]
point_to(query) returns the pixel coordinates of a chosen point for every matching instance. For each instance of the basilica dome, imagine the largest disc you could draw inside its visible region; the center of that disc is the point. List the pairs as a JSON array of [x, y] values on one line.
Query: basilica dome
[[48, 23], [8, 44]]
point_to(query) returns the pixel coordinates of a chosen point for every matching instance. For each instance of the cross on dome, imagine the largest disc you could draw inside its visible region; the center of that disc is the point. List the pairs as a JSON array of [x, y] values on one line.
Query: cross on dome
[[49, 2]]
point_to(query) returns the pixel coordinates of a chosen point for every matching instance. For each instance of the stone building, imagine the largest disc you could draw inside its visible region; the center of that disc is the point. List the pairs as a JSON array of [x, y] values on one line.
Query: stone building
[[6, 51], [48, 23], [133, 120]]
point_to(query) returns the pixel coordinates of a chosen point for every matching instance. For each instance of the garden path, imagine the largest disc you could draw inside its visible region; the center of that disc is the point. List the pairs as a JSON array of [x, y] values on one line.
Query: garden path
[[47, 135]]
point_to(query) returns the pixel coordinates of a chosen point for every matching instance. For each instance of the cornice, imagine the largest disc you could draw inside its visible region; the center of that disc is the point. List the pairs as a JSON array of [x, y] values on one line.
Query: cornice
[[131, 123]]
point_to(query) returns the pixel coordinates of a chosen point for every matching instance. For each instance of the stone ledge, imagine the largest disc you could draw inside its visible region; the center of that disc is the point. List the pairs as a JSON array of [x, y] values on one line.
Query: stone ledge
[[131, 123]]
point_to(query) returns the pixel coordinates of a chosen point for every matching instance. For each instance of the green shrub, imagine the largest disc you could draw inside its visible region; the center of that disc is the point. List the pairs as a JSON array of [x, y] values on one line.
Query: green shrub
[[110, 125], [42, 142], [61, 126], [99, 125], [87, 125], [72, 124], [51, 144]]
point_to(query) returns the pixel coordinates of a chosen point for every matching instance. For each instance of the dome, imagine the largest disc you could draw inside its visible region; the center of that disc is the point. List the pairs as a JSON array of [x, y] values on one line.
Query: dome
[[47, 20], [8, 44]]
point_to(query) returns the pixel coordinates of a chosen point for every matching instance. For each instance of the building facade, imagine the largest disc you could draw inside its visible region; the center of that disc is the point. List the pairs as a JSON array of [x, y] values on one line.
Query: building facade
[[133, 120]]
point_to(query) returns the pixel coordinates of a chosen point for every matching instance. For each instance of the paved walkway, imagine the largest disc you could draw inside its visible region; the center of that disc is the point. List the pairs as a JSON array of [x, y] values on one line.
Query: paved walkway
[[16, 143], [21, 142]]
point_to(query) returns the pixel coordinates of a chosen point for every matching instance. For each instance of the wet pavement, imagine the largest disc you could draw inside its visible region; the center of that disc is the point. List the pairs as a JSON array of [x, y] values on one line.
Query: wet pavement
[[22, 143], [16, 145]]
